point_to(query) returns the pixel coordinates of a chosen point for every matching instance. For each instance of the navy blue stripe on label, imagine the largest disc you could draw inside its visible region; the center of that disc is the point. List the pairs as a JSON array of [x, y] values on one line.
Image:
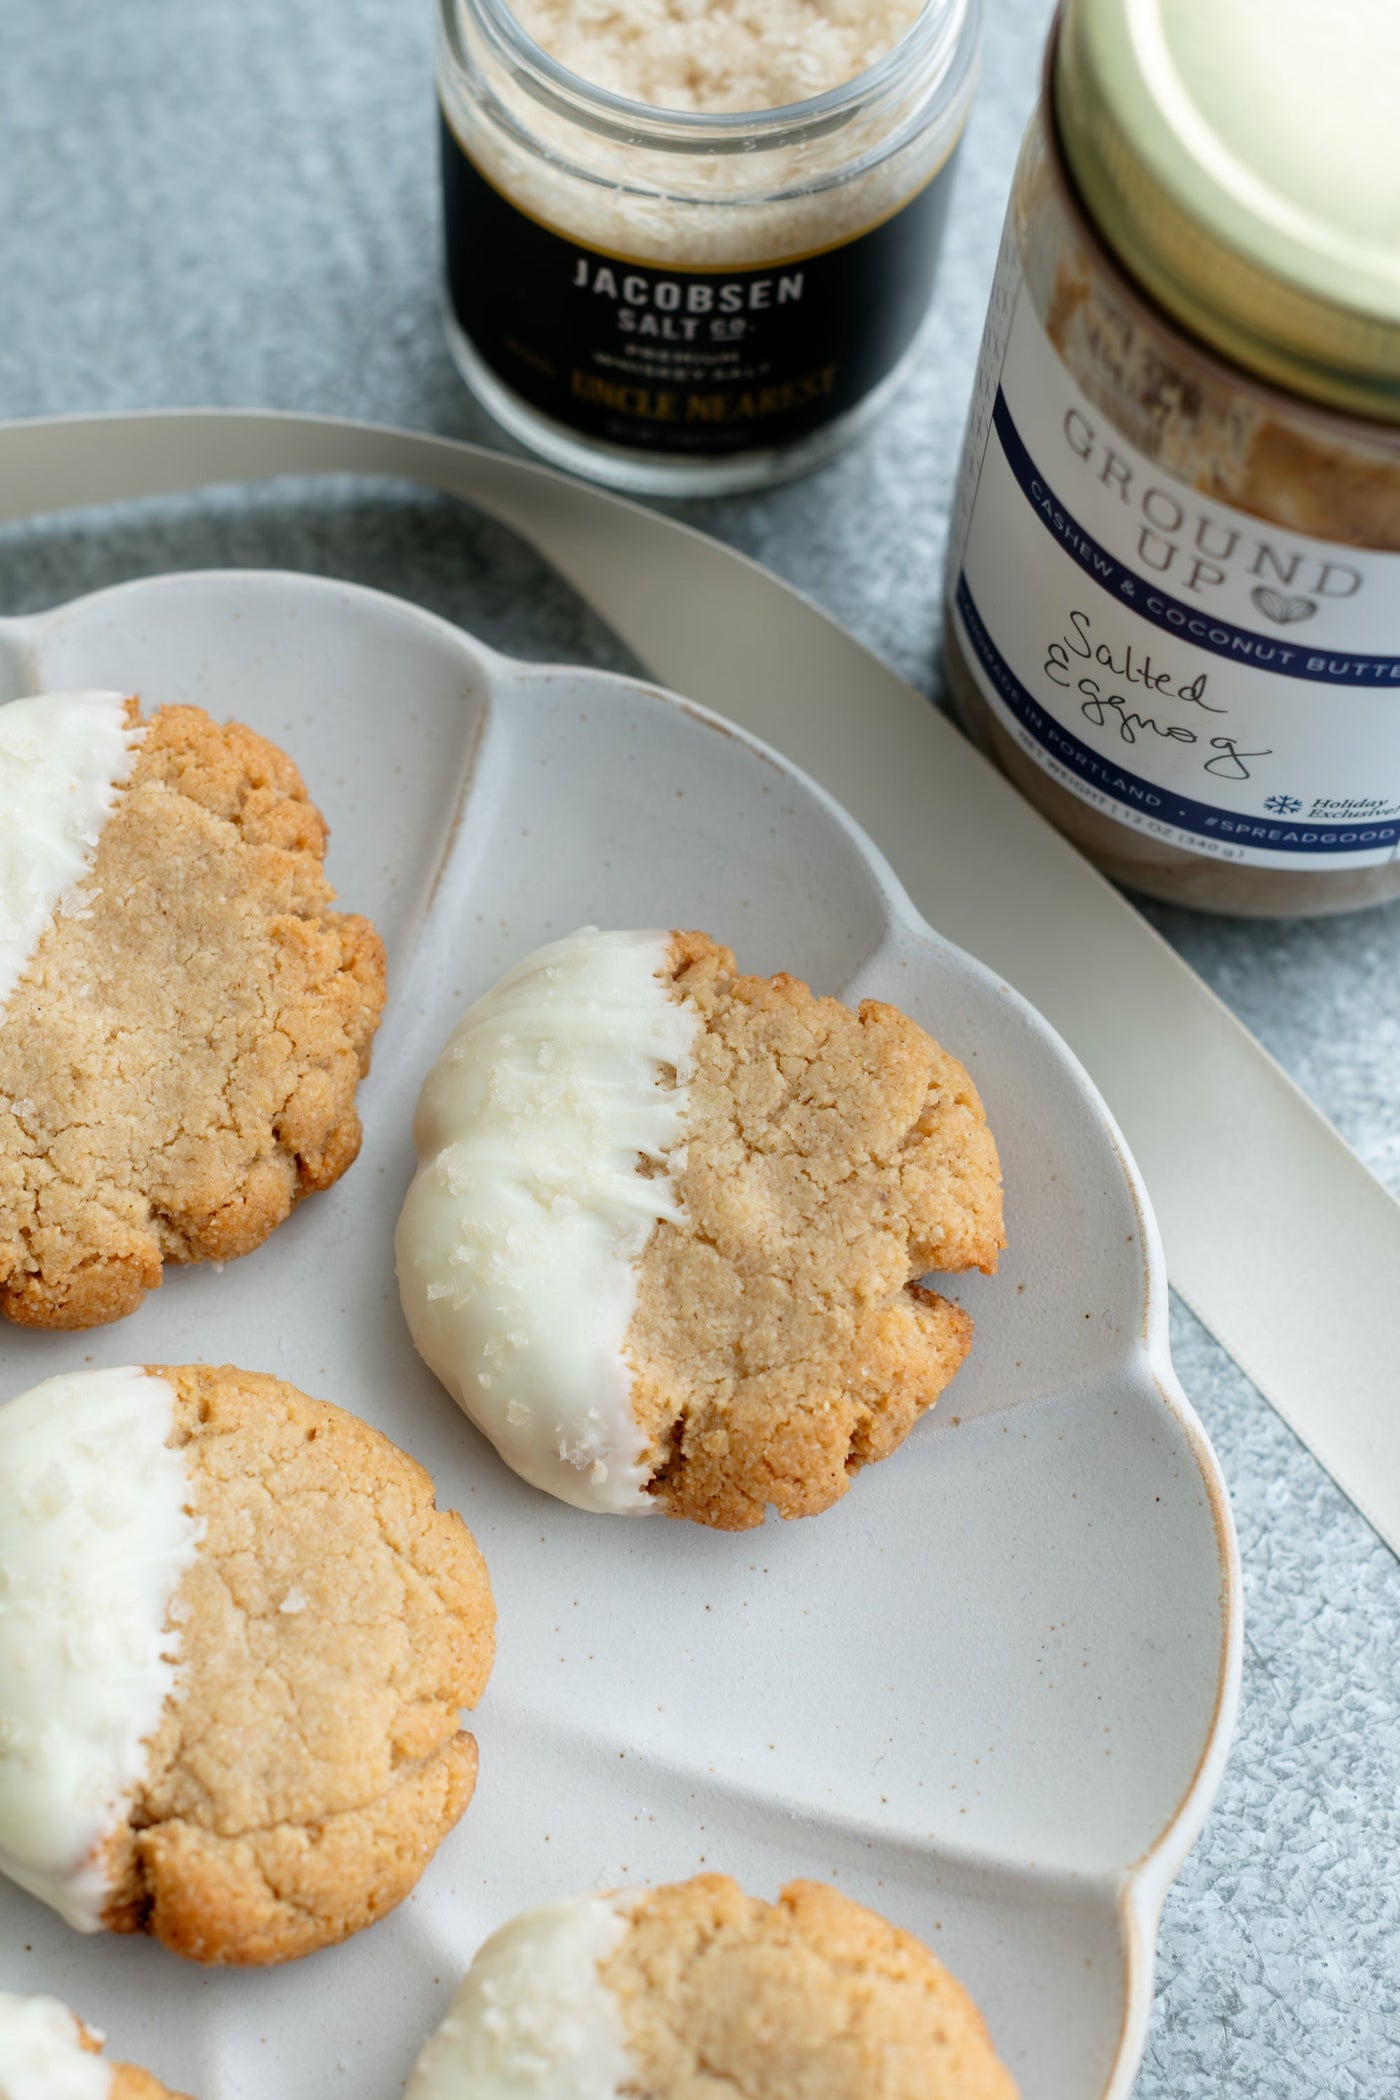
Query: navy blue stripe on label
[[1164, 805], [1262, 652]]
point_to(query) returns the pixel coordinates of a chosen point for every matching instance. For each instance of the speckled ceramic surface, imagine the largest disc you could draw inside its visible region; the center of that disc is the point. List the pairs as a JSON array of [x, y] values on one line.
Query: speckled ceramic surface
[[990, 1693]]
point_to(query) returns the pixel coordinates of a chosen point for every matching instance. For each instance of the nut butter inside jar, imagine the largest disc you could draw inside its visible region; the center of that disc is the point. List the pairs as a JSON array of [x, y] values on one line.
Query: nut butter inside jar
[[1173, 591], [690, 249]]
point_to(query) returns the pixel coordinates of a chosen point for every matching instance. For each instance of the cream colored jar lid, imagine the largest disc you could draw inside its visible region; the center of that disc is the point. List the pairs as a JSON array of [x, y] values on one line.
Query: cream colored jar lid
[[1242, 157]]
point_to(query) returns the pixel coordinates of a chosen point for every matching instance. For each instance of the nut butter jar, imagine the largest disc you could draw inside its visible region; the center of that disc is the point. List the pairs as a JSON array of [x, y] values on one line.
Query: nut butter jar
[[1173, 590], [689, 300]]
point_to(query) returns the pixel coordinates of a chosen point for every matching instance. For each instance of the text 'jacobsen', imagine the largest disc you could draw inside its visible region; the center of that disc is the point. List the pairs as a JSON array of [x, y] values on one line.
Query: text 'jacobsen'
[[696, 295]]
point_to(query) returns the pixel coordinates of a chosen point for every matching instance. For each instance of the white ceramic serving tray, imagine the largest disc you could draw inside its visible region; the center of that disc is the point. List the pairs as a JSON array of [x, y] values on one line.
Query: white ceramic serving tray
[[990, 1693]]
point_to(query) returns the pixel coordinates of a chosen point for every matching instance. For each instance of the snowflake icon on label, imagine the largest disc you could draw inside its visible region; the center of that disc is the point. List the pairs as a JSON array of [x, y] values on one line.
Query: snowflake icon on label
[[1283, 805]]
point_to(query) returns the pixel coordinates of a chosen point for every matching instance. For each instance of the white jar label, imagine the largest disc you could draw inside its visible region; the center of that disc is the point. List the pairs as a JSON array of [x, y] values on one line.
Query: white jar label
[[1208, 678]]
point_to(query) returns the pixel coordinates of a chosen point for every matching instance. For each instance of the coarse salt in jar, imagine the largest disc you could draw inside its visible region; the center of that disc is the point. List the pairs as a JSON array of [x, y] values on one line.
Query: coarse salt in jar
[[1173, 591], [690, 248]]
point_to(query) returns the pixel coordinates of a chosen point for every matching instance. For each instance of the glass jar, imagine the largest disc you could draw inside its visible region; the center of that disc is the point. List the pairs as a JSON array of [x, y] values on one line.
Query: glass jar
[[1173, 589], [684, 303]]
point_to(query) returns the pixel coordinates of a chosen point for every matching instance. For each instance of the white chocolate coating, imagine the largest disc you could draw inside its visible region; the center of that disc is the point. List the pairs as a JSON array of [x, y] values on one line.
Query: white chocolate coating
[[533, 2019], [42, 2056], [62, 758], [519, 1237], [95, 1533]]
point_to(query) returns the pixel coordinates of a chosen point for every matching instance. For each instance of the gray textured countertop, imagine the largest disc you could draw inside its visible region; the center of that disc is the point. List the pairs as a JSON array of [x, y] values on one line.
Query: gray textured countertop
[[237, 205]]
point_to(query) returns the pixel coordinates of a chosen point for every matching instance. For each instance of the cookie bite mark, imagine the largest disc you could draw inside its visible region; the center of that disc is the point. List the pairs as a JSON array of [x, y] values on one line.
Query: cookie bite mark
[[180, 1051], [782, 1339], [46, 2053], [549, 1138], [332, 1626], [697, 1988], [63, 756], [97, 1533], [533, 2013]]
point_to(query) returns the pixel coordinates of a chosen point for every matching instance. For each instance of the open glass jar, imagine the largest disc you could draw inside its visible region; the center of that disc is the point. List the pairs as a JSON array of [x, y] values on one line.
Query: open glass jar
[[1173, 591], [680, 302]]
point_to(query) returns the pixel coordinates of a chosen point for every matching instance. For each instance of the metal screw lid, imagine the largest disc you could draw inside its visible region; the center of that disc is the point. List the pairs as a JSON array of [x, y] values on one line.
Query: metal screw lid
[[1242, 157]]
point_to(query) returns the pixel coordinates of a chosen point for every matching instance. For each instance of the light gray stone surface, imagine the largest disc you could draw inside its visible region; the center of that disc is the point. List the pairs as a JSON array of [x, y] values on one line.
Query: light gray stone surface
[[207, 204]]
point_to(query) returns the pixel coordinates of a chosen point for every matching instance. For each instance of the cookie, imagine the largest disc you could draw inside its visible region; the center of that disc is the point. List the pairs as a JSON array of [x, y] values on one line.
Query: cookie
[[184, 1019], [665, 1238], [698, 1992], [235, 1636], [48, 2054]]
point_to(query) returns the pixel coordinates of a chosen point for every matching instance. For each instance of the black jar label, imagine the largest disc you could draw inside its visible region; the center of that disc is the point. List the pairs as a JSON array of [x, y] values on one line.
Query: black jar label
[[660, 357]]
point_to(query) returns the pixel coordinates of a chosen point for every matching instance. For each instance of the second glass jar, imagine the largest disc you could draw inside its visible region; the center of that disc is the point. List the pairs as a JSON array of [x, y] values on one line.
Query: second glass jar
[[679, 302], [1173, 588]]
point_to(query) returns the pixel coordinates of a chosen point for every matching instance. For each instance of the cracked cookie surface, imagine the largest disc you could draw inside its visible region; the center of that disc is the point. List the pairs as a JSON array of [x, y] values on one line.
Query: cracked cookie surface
[[331, 1625], [179, 1060], [781, 1338], [725, 1997]]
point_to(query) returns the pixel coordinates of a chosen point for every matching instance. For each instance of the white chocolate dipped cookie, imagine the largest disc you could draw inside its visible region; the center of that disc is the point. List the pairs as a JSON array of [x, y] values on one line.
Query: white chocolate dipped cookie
[[696, 1991], [184, 1018], [665, 1238], [235, 1637], [46, 2053]]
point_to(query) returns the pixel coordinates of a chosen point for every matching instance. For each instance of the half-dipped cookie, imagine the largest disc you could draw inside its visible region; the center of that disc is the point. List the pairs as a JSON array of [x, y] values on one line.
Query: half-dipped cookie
[[46, 2053], [697, 1990], [184, 1018], [235, 1637], [665, 1241]]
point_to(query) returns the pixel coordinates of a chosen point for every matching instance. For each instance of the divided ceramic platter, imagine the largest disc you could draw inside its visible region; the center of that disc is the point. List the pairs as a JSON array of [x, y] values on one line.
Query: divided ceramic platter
[[990, 1693]]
